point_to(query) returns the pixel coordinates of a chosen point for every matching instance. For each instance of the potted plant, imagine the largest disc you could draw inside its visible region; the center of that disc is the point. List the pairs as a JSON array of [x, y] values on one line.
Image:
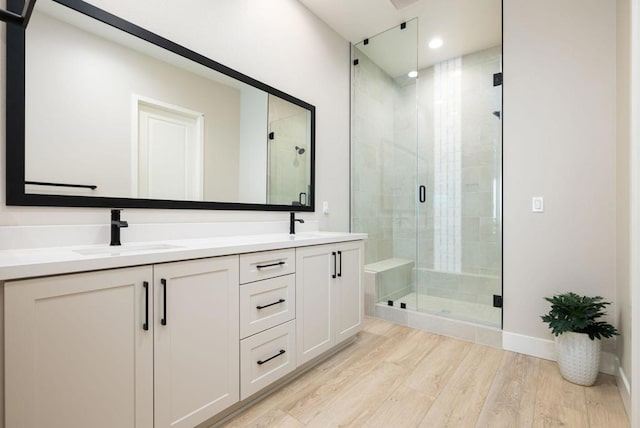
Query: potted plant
[[573, 320]]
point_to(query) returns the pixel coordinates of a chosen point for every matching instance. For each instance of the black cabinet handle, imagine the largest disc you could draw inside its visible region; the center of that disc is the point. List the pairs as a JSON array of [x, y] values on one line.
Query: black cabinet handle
[[261, 362], [280, 263], [163, 320], [422, 193], [333, 253], [270, 304], [340, 265], [145, 326]]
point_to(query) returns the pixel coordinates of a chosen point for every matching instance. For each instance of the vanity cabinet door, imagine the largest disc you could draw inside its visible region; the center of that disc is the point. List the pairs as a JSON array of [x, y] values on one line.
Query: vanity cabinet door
[[314, 271], [77, 353], [196, 340], [348, 293], [329, 296]]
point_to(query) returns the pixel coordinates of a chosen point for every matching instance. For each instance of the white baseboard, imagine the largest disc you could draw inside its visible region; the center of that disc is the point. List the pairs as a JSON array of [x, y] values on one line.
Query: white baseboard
[[528, 345], [609, 363], [544, 348], [625, 389]]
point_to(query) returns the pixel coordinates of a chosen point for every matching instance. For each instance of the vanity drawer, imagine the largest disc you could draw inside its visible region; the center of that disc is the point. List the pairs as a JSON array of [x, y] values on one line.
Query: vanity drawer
[[266, 357], [264, 304], [266, 264]]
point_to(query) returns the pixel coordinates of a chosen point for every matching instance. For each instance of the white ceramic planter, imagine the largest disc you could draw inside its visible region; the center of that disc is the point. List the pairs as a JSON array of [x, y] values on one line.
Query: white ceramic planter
[[578, 357]]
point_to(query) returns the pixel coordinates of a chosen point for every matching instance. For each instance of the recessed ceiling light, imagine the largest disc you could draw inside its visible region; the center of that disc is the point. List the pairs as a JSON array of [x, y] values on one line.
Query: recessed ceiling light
[[435, 43], [413, 73]]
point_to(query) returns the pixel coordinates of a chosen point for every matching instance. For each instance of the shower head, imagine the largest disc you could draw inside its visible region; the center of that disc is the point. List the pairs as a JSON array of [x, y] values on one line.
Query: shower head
[[300, 150]]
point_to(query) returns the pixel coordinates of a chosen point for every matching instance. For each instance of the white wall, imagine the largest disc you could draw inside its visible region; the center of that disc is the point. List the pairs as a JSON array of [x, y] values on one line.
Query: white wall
[[559, 143], [79, 111], [623, 163], [253, 146], [635, 208], [278, 42]]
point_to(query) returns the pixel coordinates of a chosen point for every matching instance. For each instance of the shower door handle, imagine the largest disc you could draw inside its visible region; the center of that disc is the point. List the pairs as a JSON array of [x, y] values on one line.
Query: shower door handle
[[422, 194]]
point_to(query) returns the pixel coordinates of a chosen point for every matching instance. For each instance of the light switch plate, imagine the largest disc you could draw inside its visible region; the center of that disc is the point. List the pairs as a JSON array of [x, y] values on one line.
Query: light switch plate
[[325, 207], [537, 204]]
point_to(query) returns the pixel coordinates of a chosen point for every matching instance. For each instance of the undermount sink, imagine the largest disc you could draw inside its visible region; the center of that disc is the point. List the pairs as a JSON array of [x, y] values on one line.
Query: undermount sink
[[127, 248]]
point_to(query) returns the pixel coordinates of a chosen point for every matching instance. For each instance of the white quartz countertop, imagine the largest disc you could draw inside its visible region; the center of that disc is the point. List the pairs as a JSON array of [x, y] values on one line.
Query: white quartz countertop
[[27, 263]]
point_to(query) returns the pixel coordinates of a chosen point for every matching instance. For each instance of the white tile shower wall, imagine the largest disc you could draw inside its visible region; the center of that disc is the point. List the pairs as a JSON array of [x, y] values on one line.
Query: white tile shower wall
[[447, 134], [478, 174], [373, 158], [404, 169], [481, 132]]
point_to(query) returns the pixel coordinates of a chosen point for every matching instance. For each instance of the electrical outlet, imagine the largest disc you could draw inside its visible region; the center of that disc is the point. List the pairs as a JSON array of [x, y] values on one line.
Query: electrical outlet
[[537, 204]]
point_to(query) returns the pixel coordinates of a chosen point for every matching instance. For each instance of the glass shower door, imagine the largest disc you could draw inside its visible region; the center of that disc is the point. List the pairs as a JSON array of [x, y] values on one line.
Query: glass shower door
[[459, 163], [384, 143], [426, 175]]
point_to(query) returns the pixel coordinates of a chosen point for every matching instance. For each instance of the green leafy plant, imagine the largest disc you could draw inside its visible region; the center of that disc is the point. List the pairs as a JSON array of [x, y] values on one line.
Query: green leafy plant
[[579, 314]]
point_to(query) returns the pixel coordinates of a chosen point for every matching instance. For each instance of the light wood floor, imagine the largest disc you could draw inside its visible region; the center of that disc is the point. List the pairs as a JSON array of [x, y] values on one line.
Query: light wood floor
[[395, 376]]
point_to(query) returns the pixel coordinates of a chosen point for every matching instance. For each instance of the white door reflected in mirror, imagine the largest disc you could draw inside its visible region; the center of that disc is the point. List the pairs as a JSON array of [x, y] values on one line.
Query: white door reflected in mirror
[[169, 152]]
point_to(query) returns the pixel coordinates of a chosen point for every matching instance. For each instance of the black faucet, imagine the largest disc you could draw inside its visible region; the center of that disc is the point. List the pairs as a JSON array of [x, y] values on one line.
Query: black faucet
[[292, 223], [116, 224]]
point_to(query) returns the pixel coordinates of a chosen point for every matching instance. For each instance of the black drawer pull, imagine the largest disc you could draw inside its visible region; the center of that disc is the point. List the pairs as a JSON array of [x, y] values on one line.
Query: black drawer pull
[[271, 304], [340, 271], [280, 263], [261, 362], [145, 326]]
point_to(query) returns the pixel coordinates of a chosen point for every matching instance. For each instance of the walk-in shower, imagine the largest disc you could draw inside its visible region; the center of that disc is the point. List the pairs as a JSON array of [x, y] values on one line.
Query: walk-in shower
[[426, 176]]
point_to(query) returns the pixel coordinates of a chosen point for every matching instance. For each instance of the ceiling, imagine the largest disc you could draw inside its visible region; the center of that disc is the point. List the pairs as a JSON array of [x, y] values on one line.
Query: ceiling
[[465, 26]]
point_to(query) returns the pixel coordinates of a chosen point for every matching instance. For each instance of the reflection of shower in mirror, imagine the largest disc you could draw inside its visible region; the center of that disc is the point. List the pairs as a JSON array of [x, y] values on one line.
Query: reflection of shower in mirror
[[300, 150]]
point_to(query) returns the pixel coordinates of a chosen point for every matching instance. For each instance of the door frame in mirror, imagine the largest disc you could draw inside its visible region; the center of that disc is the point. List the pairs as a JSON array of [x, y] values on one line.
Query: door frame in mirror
[[15, 123]]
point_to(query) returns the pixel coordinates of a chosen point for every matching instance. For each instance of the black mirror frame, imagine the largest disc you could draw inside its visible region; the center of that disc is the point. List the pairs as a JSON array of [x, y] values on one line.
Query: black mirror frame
[[22, 18], [15, 123]]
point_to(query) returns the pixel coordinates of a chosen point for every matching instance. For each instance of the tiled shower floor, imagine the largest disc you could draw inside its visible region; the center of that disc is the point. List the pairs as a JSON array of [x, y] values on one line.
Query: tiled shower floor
[[450, 308]]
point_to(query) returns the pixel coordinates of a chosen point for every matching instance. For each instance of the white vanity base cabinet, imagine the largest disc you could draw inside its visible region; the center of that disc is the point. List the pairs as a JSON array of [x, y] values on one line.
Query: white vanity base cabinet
[[76, 354], [196, 350], [175, 344], [329, 297]]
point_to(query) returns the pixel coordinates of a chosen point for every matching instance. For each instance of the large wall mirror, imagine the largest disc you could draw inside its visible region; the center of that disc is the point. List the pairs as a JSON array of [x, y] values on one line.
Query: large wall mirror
[[103, 113]]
